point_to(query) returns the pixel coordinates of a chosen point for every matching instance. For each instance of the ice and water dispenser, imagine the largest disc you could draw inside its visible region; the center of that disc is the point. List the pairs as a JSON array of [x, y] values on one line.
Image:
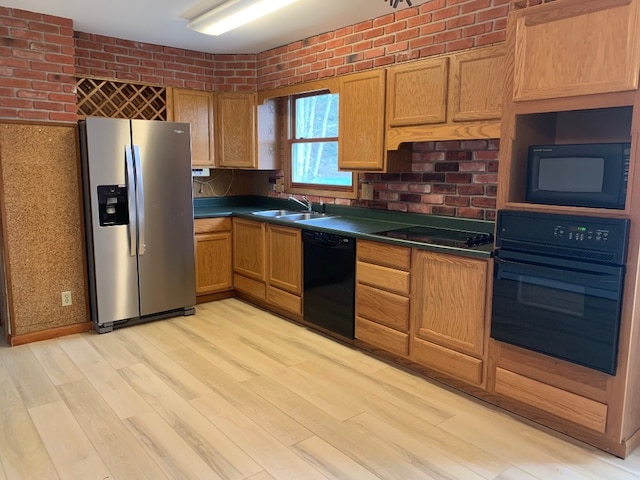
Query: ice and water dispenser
[[113, 205]]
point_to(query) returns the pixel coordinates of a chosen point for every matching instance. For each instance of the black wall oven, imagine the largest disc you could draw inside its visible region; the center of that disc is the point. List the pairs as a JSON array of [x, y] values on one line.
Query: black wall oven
[[558, 282]]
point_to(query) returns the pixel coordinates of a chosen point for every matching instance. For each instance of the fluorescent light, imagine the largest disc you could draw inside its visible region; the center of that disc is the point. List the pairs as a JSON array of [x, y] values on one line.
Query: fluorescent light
[[233, 14]]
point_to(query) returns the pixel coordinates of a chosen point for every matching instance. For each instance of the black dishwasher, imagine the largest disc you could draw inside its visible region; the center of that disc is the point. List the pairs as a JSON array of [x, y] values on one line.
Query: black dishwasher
[[329, 281]]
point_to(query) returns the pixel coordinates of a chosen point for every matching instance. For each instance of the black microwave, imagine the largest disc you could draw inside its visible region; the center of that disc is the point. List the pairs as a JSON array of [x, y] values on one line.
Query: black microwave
[[583, 175]]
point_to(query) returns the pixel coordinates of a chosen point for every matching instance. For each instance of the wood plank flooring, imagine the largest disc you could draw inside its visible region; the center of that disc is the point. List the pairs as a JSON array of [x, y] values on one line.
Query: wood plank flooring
[[236, 393]]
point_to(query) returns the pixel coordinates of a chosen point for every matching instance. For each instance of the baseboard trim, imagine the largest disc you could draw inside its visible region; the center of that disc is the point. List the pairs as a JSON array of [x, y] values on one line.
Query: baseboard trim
[[15, 340], [212, 297]]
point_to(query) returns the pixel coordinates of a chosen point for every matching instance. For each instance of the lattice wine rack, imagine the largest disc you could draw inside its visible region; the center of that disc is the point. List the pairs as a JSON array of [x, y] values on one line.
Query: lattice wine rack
[[108, 98]]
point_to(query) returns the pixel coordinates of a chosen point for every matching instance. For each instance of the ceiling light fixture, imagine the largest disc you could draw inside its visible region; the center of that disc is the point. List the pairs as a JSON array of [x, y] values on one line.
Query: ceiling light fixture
[[233, 14]]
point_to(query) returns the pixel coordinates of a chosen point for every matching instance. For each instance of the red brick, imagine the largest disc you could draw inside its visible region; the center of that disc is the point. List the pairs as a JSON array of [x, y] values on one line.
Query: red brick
[[461, 21], [359, 27], [484, 202], [419, 20], [384, 20], [491, 38], [441, 210], [60, 21], [477, 29], [63, 117], [471, 213], [432, 5], [25, 14], [485, 155], [407, 34], [397, 207], [434, 199], [31, 94], [456, 201], [471, 189], [33, 115], [461, 178], [58, 39], [445, 13], [384, 61], [485, 178], [397, 47], [493, 13], [27, 35], [473, 166], [56, 58], [458, 45], [474, 6], [433, 28], [43, 27], [448, 36]]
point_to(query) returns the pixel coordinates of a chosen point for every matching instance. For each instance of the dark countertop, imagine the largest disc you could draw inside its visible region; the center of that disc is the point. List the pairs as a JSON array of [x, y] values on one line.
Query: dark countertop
[[350, 221]]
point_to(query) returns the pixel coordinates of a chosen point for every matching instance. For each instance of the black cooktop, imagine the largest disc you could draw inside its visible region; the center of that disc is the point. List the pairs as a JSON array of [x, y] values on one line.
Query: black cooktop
[[440, 236]]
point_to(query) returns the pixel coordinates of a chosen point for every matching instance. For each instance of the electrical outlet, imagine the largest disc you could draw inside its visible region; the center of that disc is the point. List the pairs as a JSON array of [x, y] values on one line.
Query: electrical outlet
[[66, 299], [367, 191]]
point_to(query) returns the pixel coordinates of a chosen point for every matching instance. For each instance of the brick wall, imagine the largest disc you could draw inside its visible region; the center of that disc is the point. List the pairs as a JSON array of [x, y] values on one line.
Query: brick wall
[[435, 27], [37, 72], [454, 178], [108, 57]]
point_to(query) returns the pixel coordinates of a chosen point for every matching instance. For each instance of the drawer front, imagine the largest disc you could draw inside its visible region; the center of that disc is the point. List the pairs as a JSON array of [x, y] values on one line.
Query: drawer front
[[383, 254], [284, 300], [385, 278], [383, 307], [204, 225], [445, 360], [385, 338], [249, 286], [567, 405]]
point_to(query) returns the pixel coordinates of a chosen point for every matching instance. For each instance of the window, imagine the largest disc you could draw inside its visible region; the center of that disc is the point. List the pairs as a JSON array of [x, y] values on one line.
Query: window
[[313, 143]]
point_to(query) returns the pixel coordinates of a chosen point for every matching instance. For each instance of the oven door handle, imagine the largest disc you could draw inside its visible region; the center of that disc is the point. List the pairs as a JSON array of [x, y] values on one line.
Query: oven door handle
[[596, 281]]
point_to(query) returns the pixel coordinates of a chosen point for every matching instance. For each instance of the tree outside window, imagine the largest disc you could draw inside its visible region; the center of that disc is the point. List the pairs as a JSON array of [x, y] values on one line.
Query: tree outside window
[[314, 142]]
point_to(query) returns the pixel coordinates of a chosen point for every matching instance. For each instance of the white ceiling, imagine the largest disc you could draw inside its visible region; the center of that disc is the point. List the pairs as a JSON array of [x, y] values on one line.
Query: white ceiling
[[164, 22]]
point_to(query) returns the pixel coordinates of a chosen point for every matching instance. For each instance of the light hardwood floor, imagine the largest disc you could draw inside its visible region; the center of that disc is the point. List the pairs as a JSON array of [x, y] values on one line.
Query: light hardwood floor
[[236, 393]]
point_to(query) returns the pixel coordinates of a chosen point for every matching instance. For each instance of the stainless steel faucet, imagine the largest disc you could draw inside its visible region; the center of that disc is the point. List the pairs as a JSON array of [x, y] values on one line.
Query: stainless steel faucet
[[305, 202]]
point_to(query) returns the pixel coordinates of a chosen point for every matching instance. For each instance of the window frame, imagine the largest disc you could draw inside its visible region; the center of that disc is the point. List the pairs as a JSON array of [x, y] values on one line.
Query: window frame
[[335, 191]]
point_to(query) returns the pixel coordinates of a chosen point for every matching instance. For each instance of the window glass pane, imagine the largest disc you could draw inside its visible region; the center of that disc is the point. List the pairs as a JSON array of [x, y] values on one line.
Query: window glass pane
[[317, 116], [317, 163]]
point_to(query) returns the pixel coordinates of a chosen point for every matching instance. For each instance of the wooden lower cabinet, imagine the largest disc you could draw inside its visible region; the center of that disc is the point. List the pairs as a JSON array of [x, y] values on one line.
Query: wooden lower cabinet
[[448, 313], [267, 263], [213, 252], [284, 277], [382, 296]]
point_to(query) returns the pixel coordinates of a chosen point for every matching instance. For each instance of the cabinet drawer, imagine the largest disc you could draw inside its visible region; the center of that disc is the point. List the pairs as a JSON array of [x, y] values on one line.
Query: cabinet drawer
[[285, 300], [382, 277], [249, 286], [567, 405], [447, 361], [386, 338], [205, 225], [382, 307], [383, 254]]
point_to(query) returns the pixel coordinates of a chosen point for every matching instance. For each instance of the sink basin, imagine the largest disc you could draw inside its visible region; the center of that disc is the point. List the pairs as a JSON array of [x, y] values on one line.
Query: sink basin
[[275, 213], [301, 216]]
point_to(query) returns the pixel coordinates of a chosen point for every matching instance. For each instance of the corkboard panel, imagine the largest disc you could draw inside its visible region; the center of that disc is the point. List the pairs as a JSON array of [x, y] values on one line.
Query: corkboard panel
[[42, 226]]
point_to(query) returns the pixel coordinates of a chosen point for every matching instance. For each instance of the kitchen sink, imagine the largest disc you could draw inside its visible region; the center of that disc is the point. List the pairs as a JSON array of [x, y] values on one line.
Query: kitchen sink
[[276, 213], [302, 216], [291, 215]]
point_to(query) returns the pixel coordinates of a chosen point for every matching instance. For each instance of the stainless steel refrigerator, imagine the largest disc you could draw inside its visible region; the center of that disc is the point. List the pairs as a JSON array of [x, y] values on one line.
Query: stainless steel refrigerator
[[138, 206]]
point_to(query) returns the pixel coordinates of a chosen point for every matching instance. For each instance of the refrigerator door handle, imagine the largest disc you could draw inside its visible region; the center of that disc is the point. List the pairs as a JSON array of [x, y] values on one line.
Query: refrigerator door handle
[[131, 187], [139, 198]]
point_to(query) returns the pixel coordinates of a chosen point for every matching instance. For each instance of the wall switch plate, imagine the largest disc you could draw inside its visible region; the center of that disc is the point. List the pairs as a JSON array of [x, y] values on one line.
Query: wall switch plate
[[66, 299], [367, 191]]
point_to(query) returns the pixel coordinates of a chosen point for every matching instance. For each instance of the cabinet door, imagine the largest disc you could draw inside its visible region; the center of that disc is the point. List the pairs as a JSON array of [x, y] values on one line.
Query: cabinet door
[[249, 248], [236, 129], [417, 93], [578, 47], [285, 259], [213, 263], [449, 301], [361, 130], [476, 84], [196, 108]]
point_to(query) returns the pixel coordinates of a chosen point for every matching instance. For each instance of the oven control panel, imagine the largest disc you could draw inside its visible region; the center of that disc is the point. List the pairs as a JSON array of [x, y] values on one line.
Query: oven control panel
[[563, 235], [581, 233]]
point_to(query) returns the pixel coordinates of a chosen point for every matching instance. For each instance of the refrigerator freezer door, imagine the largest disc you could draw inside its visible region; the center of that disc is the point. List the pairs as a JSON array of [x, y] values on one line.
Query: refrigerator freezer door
[[167, 266], [114, 279]]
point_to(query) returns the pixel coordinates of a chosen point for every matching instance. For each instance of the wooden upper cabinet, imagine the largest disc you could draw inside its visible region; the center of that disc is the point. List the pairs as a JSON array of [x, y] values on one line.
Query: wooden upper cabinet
[[196, 107], [247, 133], [285, 258], [417, 93], [361, 130], [476, 84], [236, 129], [572, 48], [449, 301]]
